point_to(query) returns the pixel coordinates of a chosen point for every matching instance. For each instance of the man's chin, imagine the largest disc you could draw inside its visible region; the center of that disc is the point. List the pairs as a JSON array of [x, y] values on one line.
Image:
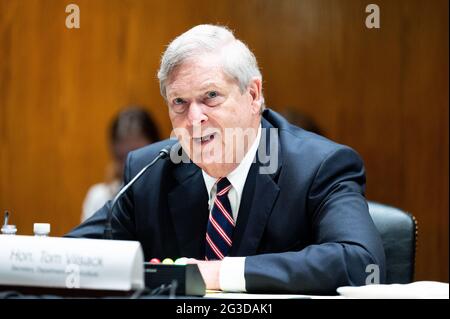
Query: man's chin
[[207, 160], [216, 168]]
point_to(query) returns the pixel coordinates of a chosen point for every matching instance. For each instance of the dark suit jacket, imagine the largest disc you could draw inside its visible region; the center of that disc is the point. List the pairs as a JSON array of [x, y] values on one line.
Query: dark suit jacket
[[305, 228]]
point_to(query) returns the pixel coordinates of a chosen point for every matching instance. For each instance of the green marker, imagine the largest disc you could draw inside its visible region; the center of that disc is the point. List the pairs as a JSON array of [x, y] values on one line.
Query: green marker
[[167, 261]]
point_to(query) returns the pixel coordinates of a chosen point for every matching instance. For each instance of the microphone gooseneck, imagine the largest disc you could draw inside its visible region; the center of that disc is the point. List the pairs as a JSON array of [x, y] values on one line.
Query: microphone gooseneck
[[163, 153]]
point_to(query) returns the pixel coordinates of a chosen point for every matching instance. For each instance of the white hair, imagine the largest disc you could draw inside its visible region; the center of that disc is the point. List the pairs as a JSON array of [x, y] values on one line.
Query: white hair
[[237, 60]]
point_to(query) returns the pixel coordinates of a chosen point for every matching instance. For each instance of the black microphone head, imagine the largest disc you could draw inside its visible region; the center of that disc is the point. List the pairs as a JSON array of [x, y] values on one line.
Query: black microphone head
[[165, 151]]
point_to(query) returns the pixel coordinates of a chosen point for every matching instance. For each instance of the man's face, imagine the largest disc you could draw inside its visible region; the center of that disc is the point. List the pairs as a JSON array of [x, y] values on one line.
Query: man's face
[[205, 104]]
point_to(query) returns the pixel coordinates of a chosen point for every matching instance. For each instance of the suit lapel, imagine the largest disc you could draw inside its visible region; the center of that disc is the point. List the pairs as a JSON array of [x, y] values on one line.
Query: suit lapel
[[188, 204], [258, 198]]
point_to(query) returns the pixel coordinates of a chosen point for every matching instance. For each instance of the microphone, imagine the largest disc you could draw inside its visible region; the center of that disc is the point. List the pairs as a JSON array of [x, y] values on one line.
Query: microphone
[[163, 153]]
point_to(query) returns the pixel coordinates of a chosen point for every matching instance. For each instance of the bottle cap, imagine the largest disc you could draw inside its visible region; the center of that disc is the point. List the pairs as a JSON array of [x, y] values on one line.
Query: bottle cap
[[41, 228]]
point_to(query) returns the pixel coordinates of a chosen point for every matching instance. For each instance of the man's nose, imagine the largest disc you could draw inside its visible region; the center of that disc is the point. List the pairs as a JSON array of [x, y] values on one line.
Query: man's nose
[[196, 114]]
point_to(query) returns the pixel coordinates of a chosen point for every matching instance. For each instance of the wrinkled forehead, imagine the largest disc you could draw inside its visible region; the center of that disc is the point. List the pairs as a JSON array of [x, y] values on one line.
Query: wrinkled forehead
[[197, 74]]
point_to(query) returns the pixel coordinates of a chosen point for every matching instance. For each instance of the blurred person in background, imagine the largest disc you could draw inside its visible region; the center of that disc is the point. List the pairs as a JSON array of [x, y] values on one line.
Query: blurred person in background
[[302, 119], [131, 129]]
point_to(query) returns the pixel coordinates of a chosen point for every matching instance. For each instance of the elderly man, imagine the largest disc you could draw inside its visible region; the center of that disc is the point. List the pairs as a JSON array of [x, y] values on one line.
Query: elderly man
[[258, 211]]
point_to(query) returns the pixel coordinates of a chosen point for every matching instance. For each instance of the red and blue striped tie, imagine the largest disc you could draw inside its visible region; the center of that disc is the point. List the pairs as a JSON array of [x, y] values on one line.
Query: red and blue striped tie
[[220, 224]]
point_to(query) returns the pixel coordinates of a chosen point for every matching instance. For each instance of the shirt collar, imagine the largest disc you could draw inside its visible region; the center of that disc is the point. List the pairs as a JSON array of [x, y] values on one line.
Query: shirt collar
[[238, 176]]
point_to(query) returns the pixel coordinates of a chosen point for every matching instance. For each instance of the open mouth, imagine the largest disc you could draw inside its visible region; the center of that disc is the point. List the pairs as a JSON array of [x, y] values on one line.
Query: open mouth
[[205, 139]]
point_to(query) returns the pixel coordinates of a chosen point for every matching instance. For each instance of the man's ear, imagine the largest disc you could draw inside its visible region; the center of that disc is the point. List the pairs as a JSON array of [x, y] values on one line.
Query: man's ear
[[255, 91]]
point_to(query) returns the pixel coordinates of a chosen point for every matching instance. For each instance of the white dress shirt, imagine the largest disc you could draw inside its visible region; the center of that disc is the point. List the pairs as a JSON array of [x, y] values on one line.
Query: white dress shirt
[[232, 268]]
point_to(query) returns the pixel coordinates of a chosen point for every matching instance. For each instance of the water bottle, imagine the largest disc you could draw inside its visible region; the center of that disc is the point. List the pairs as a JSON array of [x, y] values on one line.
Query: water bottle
[[41, 229]]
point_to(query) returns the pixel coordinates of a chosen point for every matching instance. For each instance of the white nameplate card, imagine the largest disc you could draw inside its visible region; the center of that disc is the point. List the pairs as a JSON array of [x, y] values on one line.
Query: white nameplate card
[[71, 263]]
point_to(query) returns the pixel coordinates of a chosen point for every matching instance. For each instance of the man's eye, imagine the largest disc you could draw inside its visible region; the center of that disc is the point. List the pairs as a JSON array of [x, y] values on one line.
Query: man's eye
[[178, 101], [212, 94]]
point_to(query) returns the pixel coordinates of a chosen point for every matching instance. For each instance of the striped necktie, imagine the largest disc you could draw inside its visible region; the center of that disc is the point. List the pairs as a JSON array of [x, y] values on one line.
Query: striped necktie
[[220, 224]]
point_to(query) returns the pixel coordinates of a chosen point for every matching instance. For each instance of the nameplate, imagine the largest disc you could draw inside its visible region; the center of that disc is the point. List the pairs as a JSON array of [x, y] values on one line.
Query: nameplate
[[71, 263]]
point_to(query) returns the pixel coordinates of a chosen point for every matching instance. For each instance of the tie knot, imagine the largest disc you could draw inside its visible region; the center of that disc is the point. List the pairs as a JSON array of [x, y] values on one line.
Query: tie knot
[[223, 186]]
